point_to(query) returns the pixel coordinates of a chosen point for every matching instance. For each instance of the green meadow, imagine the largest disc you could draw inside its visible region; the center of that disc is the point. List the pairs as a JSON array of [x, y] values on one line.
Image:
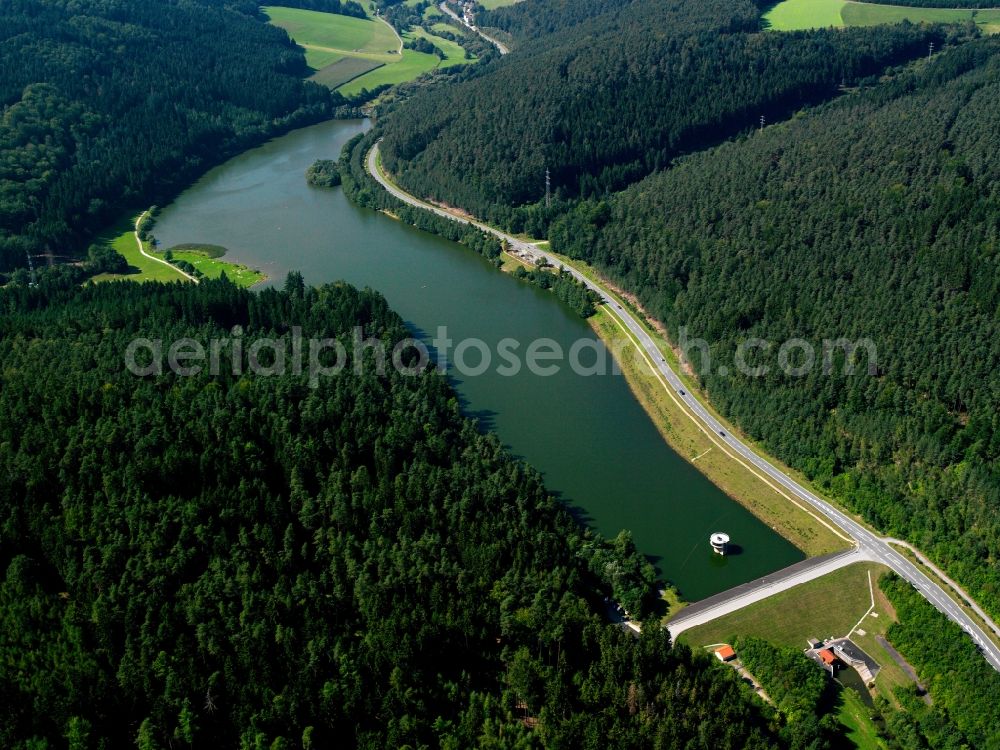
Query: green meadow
[[208, 260], [327, 31], [864, 14], [431, 11], [792, 15], [412, 65], [455, 52], [350, 54], [121, 237], [491, 4]]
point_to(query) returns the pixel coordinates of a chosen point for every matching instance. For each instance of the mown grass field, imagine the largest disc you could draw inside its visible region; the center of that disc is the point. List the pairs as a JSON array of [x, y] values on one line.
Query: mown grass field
[[827, 606], [792, 15], [121, 238], [319, 59], [334, 32], [491, 4], [351, 54], [208, 260]]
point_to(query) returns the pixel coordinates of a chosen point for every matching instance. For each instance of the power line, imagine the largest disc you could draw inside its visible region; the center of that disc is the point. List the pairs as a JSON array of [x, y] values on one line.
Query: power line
[[31, 269]]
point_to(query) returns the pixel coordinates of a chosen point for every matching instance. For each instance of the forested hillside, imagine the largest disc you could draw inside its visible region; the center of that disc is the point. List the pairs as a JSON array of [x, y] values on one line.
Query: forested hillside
[[534, 18], [108, 102], [966, 689], [605, 103], [874, 217], [245, 561]]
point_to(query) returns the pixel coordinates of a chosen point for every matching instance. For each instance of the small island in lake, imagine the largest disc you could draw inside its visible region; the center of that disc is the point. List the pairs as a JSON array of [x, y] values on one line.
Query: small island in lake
[[324, 173]]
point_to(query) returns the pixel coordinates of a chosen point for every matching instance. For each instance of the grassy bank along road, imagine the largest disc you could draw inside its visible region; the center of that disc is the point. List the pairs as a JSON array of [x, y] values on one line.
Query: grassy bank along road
[[870, 544]]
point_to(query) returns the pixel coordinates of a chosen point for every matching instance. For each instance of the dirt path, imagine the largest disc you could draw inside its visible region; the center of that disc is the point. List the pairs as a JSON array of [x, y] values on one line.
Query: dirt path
[[396, 33], [142, 251]]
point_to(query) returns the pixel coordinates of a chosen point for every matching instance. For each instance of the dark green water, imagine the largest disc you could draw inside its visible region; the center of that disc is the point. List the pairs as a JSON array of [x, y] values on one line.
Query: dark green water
[[595, 445]]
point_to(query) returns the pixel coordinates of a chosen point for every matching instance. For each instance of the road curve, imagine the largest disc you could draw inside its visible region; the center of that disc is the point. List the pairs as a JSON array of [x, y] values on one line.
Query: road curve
[[873, 547]]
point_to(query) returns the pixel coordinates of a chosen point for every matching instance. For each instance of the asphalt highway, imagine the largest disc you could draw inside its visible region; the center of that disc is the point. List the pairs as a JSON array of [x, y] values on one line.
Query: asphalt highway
[[870, 545]]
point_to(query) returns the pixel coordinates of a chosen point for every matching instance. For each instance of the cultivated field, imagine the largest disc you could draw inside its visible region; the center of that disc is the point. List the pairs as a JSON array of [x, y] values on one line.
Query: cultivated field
[[792, 15], [351, 54], [863, 14], [412, 65], [344, 70]]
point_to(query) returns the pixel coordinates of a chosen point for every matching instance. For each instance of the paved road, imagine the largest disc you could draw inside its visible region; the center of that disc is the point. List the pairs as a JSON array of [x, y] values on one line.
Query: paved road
[[745, 594], [874, 548], [495, 42], [944, 577]]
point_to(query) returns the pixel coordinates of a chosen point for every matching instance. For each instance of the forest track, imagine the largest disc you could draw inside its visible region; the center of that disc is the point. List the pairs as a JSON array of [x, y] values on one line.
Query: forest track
[[142, 250]]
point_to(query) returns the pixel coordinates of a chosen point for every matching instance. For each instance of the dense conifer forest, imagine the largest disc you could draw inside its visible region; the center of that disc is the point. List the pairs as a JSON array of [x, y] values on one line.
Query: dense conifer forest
[[239, 559], [889, 231], [966, 705], [243, 560], [875, 216], [108, 103], [606, 102]]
